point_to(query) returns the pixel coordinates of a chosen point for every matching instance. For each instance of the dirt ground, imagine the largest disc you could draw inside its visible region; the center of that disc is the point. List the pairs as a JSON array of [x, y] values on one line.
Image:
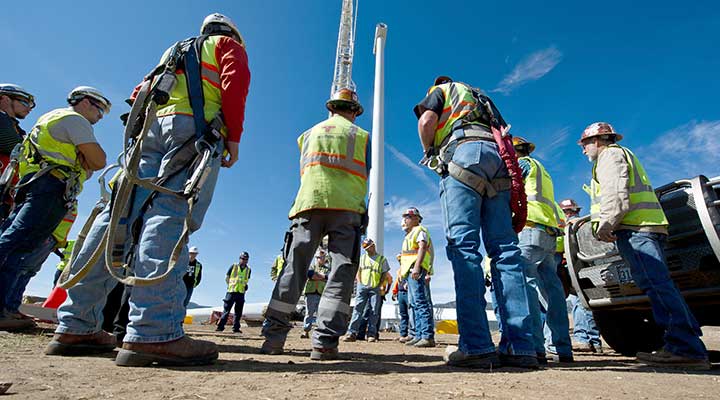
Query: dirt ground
[[386, 369]]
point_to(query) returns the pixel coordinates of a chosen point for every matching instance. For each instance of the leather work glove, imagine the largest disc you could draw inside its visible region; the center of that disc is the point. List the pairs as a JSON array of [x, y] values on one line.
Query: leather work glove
[[605, 234]]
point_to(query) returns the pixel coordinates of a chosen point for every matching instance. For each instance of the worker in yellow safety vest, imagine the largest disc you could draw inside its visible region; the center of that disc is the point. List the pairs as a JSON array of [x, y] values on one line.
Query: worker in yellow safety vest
[[416, 265], [537, 242], [277, 266], [373, 272], [314, 287], [193, 274], [237, 278], [334, 166], [625, 209], [59, 153]]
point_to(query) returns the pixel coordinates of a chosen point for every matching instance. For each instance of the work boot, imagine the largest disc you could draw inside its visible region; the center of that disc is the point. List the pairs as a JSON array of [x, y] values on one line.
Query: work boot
[[563, 358], [180, 352], [219, 329], [412, 341], [237, 331], [664, 358], [519, 361], [351, 337], [304, 335], [68, 344], [17, 315], [425, 343], [404, 339], [372, 339], [320, 354], [455, 358], [10, 324], [271, 348], [542, 358]]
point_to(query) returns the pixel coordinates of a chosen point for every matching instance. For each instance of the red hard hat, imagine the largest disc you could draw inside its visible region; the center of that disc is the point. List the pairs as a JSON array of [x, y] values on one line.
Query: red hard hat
[[599, 129], [569, 204], [412, 211]]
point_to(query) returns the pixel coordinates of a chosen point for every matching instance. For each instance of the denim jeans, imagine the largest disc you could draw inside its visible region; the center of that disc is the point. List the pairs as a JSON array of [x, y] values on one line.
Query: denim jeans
[[643, 251], [30, 264], [404, 310], [236, 299], [156, 312], [365, 296], [544, 286], [470, 221], [40, 208], [312, 301], [188, 294], [584, 328], [422, 307]]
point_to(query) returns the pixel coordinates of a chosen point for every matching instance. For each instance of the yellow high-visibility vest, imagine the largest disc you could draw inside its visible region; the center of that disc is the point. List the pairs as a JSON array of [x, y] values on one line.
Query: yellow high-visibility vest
[[317, 286], [63, 229], [459, 101], [333, 170], [560, 246], [540, 195], [239, 278], [409, 253], [645, 209], [371, 270]]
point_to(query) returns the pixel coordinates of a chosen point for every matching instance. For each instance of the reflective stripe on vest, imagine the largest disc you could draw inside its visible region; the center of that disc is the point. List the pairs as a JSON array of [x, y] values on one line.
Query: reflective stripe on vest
[[409, 253], [459, 101], [645, 209], [48, 148], [540, 195], [371, 270], [179, 102], [333, 171], [61, 231], [196, 273], [238, 279], [313, 286]]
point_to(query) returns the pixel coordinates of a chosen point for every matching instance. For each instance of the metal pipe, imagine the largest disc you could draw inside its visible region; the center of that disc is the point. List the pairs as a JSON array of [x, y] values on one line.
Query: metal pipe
[[376, 211]]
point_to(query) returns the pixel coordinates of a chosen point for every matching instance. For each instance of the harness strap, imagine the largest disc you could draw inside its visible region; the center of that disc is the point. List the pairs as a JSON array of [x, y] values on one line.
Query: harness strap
[[477, 182]]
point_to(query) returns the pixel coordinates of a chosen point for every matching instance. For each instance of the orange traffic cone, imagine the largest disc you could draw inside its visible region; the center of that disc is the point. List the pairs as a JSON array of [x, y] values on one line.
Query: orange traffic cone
[[56, 297]]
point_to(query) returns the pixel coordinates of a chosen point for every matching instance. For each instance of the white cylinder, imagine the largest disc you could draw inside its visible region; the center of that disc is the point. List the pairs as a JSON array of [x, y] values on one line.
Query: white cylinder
[[376, 225]]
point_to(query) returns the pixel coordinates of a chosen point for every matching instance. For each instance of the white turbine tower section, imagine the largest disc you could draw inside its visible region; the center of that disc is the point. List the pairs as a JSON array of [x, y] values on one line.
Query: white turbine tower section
[[376, 211], [342, 78]]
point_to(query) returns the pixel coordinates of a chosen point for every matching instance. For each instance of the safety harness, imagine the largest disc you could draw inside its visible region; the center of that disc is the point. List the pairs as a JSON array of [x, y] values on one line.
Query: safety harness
[[196, 154], [472, 127]]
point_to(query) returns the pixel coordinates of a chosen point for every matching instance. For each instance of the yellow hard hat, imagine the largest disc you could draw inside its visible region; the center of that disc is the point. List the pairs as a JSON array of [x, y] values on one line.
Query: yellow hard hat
[[518, 141], [345, 98]]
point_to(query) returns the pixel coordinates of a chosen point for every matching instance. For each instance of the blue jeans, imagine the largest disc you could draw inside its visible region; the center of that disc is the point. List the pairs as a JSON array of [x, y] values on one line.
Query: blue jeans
[[236, 299], [365, 297], [544, 286], [30, 264], [404, 310], [472, 220], [584, 328], [643, 251], [188, 294], [422, 307], [40, 208], [312, 301], [156, 312]]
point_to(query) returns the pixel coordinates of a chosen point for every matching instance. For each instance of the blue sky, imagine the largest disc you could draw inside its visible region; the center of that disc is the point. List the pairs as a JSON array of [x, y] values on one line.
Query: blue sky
[[649, 68]]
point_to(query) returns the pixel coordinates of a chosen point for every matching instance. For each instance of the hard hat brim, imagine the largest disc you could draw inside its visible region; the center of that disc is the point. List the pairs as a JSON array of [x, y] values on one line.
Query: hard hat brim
[[348, 104]]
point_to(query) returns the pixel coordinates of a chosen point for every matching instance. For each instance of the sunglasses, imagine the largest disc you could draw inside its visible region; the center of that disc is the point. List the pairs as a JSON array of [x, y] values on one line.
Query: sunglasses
[[98, 106], [28, 104]]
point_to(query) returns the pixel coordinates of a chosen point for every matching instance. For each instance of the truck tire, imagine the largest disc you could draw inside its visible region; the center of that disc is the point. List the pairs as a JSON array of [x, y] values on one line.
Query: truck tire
[[629, 331]]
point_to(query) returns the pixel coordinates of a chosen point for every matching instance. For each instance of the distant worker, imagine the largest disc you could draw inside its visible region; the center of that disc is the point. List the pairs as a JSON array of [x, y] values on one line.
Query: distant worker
[[277, 266], [334, 166], [193, 275], [317, 277], [373, 271], [455, 121], [416, 264], [362, 331], [237, 279], [625, 210], [538, 241], [585, 330], [57, 157], [155, 333], [15, 104]]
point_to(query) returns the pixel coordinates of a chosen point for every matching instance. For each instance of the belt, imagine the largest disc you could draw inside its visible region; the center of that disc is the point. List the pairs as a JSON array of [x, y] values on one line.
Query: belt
[[548, 229]]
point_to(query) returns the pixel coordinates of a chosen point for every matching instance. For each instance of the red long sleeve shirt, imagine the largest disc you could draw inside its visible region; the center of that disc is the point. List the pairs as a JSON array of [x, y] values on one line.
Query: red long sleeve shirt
[[234, 85]]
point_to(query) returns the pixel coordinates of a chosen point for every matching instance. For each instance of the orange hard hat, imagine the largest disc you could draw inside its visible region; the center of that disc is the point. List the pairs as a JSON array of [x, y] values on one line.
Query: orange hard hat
[[599, 129], [345, 98], [518, 141]]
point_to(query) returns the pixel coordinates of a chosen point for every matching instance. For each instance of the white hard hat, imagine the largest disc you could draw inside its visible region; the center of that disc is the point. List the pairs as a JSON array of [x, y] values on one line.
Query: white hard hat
[[13, 90], [193, 250], [76, 95], [217, 22]]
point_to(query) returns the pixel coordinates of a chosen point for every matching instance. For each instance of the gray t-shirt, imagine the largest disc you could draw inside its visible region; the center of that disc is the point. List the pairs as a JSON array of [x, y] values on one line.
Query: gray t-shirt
[[73, 129]]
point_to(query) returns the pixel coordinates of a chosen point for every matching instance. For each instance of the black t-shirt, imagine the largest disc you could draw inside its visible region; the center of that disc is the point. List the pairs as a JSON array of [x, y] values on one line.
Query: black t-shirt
[[10, 133]]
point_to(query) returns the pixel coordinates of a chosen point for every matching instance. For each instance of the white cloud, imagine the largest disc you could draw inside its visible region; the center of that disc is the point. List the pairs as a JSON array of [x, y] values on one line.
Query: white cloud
[[558, 141], [417, 170], [683, 152], [531, 68], [429, 209]]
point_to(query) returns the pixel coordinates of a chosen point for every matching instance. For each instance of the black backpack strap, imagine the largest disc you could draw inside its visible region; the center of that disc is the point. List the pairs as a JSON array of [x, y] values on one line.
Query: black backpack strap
[[194, 84]]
